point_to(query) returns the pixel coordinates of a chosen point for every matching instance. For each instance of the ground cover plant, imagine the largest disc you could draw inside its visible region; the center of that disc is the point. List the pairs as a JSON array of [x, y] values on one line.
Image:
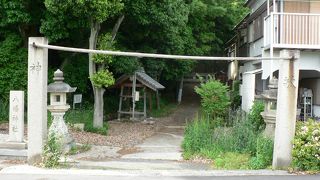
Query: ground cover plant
[[52, 152], [306, 149]]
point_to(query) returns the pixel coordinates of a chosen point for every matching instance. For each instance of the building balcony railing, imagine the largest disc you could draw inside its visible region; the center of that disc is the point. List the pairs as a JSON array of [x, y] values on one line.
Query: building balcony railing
[[292, 30]]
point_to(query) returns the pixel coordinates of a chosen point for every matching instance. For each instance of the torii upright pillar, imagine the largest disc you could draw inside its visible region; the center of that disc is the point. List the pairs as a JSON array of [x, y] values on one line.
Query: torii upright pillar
[[37, 98], [286, 108]]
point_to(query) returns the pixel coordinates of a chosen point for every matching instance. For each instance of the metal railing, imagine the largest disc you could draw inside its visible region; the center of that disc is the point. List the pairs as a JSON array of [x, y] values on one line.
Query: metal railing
[[292, 29]]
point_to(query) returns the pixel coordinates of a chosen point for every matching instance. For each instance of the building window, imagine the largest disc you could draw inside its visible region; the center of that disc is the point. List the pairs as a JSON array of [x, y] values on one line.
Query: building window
[[258, 26]]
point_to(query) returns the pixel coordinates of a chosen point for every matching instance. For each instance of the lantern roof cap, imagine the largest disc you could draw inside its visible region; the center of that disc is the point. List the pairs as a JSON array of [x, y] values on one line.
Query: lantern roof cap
[[58, 86], [272, 93]]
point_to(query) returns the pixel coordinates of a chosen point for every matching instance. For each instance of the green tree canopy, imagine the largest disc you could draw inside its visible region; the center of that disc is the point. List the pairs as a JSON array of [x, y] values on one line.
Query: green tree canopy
[[186, 27], [13, 65]]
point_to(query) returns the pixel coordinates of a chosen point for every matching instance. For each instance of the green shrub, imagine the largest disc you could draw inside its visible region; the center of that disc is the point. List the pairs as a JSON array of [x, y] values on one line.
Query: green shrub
[[264, 154], [306, 146], [102, 78], [198, 135], [52, 151], [214, 98], [255, 118]]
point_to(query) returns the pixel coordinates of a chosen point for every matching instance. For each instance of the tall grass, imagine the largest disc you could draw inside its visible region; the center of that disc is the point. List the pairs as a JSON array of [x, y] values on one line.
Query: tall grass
[[239, 138], [240, 146], [198, 137], [264, 153]]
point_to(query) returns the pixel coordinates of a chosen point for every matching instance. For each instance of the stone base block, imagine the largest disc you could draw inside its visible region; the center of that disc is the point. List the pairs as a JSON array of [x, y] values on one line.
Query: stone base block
[[13, 145]]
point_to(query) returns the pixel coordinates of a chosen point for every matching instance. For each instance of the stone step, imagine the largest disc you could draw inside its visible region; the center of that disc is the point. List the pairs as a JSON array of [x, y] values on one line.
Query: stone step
[[13, 152], [160, 149], [133, 164], [173, 156]]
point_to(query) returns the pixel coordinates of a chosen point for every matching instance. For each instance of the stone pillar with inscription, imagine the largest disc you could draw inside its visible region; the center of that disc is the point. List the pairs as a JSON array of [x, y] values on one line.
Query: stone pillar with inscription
[[16, 123], [16, 116], [286, 109], [37, 98]]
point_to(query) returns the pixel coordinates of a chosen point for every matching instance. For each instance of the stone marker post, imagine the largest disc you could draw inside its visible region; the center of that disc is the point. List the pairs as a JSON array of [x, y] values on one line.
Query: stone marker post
[[16, 116], [37, 98], [286, 109]]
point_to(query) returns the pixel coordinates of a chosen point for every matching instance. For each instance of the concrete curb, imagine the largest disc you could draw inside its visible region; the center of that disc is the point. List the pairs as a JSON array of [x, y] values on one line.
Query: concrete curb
[[25, 169]]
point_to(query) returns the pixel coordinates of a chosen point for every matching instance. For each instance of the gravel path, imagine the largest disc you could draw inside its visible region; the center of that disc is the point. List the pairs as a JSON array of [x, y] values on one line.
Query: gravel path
[[120, 134]]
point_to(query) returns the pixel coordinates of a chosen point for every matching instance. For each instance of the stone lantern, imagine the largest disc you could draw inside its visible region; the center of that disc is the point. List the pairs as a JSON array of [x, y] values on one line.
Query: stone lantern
[[270, 104], [58, 107]]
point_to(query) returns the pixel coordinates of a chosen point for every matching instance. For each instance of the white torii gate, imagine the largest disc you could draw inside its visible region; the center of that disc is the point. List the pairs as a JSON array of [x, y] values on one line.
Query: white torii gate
[[37, 94]]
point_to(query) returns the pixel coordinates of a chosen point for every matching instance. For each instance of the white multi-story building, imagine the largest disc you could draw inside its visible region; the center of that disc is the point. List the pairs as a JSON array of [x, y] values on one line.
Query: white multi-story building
[[270, 27]]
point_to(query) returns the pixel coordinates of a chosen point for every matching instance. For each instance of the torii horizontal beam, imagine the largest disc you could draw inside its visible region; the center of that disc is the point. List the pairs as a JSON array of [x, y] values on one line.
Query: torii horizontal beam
[[150, 55]]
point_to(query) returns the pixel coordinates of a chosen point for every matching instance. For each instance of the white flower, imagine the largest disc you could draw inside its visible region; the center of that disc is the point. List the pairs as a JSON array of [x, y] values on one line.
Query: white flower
[[304, 128]]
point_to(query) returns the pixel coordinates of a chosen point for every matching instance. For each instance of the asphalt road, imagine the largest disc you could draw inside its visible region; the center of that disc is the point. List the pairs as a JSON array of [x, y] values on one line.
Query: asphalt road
[[100, 177]]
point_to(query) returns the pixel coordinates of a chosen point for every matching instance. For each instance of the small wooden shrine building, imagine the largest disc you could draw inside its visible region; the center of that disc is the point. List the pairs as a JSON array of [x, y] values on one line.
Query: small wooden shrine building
[[135, 87]]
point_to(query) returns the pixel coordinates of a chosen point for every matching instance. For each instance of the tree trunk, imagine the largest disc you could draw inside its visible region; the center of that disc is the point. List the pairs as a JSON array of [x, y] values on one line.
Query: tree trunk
[[98, 107], [97, 92], [116, 27], [95, 27]]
